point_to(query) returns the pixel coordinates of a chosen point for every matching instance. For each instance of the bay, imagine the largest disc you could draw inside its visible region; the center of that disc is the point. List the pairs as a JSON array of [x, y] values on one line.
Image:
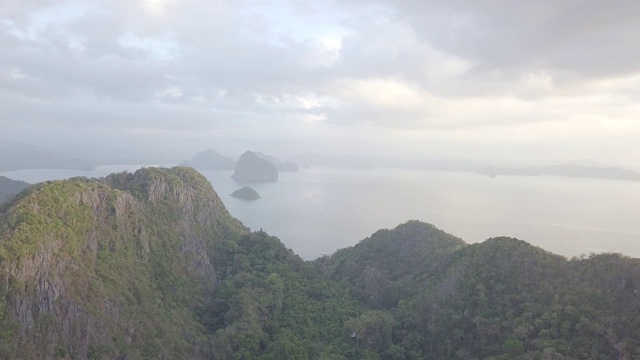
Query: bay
[[320, 210], [317, 211]]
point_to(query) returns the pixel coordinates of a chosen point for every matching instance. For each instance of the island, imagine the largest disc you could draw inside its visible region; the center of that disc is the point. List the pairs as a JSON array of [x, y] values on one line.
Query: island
[[565, 170], [246, 193], [282, 166], [211, 160], [252, 168]]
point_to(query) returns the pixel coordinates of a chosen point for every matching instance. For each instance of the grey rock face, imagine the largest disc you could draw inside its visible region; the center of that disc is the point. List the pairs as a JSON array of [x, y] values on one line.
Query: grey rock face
[[252, 168]]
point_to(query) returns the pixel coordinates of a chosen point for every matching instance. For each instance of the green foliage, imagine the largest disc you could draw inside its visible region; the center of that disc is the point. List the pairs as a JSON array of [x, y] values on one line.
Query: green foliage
[[151, 265], [268, 292], [133, 265]]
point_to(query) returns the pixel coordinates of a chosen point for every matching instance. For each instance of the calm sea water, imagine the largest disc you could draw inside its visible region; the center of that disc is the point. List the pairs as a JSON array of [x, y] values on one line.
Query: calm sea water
[[317, 211]]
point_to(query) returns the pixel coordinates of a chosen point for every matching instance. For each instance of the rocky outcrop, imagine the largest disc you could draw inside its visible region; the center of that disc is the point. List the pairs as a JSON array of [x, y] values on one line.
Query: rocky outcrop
[[111, 268], [252, 168], [246, 193]]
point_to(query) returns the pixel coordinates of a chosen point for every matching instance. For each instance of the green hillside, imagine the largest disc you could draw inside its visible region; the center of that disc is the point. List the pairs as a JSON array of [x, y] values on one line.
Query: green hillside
[[150, 265]]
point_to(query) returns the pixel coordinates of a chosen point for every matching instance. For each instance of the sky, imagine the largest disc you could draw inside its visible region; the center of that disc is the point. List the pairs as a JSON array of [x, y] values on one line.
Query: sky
[[496, 79]]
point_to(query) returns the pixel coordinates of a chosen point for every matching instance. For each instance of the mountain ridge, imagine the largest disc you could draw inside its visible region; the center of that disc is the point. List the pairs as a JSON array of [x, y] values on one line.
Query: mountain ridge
[[151, 265], [110, 234]]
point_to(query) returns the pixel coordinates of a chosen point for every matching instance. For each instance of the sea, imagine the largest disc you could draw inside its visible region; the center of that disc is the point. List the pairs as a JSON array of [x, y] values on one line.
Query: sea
[[317, 211]]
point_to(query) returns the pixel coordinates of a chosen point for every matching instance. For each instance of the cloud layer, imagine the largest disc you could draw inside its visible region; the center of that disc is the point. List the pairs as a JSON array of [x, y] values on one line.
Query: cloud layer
[[543, 79]]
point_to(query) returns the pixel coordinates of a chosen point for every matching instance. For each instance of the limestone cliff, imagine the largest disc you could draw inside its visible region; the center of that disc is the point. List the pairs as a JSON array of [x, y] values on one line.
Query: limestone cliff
[[110, 268]]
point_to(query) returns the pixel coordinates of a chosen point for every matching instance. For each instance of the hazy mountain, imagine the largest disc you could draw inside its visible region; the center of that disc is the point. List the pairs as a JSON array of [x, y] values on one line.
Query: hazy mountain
[[372, 161], [566, 170], [10, 188], [151, 265], [211, 160], [286, 166], [17, 155]]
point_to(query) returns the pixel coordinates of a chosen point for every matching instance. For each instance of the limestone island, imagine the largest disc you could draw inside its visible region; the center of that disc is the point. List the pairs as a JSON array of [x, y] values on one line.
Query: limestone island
[[246, 193], [252, 168]]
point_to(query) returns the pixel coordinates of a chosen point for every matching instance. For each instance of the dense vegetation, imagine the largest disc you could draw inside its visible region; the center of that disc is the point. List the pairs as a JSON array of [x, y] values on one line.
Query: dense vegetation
[[501, 299], [151, 265]]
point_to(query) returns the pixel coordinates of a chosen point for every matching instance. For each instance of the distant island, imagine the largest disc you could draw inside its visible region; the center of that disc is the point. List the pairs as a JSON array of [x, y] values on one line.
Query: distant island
[[566, 170], [252, 168], [84, 157], [246, 193], [211, 160], [282, 166], [16, 156]]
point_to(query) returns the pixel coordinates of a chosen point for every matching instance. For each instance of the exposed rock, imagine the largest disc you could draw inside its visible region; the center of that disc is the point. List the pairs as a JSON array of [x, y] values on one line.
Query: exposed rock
[[252, 168], [246, 193]]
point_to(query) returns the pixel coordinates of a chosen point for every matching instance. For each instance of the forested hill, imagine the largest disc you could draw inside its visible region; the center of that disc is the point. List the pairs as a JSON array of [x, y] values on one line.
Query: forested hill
[[151, 265], [500, 299]]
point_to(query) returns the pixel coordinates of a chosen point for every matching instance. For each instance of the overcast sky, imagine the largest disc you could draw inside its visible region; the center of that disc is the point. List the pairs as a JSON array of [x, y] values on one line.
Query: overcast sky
[[495, 79]]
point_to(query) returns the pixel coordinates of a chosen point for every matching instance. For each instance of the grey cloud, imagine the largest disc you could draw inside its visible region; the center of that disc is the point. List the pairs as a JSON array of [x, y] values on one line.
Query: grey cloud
[[571, 38], [199, 66]]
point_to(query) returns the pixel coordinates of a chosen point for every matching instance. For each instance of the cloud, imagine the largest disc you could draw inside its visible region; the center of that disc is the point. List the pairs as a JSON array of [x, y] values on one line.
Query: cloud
[[388, 72]]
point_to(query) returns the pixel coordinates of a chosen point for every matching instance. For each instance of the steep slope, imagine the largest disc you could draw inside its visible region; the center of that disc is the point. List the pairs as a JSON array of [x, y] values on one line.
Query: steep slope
[[10, 188], [111, 268]]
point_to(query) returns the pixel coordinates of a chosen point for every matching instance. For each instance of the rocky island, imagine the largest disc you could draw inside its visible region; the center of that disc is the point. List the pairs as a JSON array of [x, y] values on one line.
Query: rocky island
[[246, 193], [252, 168]]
